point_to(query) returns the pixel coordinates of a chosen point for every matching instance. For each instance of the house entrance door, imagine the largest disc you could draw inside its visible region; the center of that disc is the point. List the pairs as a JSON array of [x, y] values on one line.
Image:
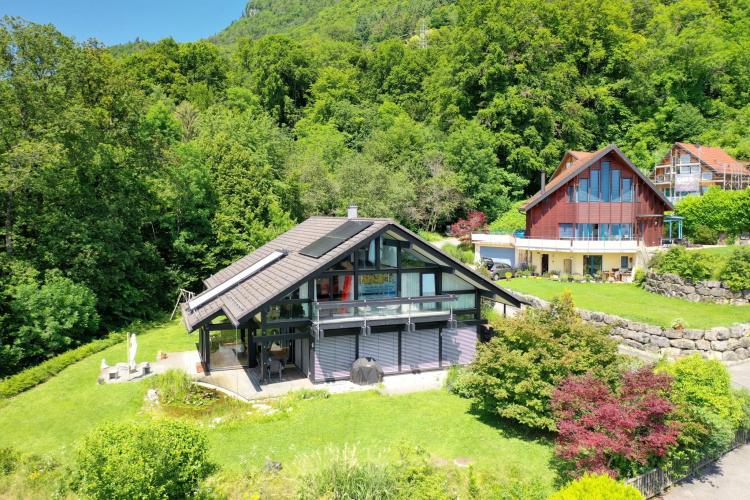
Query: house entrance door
[[545, 263]]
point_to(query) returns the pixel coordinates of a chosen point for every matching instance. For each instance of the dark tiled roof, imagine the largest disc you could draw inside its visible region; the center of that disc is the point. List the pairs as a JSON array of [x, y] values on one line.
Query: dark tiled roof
[[280, 277], [245, 298]]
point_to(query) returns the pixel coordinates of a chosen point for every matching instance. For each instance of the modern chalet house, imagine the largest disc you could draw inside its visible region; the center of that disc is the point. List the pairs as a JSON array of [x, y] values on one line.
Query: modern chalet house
[[332, 290], [590, 218], [691, 169]]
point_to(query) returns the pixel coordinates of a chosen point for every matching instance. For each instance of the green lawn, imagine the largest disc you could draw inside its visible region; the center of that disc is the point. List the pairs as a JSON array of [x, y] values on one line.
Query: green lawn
[[50, 417], [53, 416], [629, 301]]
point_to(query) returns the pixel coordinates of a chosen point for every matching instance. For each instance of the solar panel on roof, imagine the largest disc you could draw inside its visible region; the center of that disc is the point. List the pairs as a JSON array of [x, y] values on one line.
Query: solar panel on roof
[[211, 294], [334, 238]]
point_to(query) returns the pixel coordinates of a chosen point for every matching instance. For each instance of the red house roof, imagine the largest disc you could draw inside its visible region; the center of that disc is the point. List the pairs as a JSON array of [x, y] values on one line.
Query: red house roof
[[716, 158], [581, 161]]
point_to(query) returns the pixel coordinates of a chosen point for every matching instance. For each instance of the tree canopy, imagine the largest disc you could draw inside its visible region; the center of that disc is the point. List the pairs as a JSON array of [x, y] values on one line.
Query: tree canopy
[[136, 170]]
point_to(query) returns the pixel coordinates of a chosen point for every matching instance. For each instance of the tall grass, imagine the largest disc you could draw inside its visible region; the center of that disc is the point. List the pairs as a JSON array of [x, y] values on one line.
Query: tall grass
[[344, 478], [461, 254]]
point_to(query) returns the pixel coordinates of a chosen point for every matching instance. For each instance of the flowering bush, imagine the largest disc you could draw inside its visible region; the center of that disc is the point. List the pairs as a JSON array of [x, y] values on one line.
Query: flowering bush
[[614, 432]]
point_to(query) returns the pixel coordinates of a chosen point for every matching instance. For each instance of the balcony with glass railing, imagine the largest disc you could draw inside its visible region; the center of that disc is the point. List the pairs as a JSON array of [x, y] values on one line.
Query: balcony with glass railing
[[390, 311]]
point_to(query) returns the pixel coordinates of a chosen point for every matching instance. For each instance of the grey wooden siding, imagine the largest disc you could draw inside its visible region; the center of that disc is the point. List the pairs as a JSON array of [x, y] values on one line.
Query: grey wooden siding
[[334, 357], [419, 350], [459, 346], [383, 347]]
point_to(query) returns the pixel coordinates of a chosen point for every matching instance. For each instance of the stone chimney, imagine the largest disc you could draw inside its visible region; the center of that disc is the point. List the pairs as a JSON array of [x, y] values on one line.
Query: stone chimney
[[351, 212]]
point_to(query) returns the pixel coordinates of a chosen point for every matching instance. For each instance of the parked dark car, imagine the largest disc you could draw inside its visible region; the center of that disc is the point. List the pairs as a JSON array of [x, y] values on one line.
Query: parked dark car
[[498, 268]]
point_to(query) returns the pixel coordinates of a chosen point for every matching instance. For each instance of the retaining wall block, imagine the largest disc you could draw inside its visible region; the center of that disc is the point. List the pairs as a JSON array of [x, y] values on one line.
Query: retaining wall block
[[682, 344], [719, 345]]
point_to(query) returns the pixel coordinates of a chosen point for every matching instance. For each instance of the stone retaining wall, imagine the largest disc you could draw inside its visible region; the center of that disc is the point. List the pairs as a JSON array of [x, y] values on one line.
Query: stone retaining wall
[[724, 343], [672, 285]]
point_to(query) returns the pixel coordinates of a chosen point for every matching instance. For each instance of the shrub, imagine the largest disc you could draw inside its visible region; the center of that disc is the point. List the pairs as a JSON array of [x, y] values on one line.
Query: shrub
[[155, 459], [619, 433], [708, 410], [736, 272], [721, 210], [475, 221], [515, 373], [694, 266], [8, 461], [705, 384], [430, 236], [462, 255], [705, 235], [510, 221], [42, 372], [640, 277], [596, 487]]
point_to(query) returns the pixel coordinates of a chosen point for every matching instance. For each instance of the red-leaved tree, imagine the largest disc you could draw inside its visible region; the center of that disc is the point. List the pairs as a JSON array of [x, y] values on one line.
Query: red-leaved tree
[[475, 221], [615, 433]]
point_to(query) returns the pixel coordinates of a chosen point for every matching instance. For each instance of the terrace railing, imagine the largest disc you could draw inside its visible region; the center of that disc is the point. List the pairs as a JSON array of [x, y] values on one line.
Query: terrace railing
[[362, 312], [656, 481]]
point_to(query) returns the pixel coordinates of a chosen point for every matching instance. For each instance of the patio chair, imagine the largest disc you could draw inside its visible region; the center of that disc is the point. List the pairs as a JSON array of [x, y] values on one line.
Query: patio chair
[[275, 365]]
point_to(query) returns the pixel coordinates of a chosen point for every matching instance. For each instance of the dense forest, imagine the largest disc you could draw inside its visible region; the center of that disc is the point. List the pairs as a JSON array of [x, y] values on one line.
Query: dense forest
[[130, 172]]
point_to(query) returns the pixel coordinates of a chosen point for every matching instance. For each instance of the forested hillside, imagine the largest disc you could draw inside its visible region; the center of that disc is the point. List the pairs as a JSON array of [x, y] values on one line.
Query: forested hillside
[[126, 176]]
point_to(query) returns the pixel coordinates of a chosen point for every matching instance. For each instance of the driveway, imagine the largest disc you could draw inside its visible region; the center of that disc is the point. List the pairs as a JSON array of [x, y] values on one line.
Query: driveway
[[741, 375], [728, 478]]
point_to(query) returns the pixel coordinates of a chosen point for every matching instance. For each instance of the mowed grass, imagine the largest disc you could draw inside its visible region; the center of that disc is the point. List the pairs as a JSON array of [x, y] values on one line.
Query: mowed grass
[[52, 417], [629, 301], [374, 425]]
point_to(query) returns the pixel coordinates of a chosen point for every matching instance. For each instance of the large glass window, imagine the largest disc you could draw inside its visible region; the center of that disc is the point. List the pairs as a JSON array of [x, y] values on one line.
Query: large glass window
[[410, 284], [604, 231], [288, 311], [337, 287], [605, 180], [299, 293], [464, 301], [411, 259], [594, 185], [592, 264], [228, 349], [571, 194], [627, 189], [388, 253], [377, 286], [583, 190], [616, 185], [584, 231], [347, 264], [366, 256], [452, 283], [567, 231]]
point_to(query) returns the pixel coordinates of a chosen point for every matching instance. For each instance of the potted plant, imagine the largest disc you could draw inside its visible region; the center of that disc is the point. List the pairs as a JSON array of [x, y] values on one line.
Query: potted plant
[[508, 275], [588, 278]]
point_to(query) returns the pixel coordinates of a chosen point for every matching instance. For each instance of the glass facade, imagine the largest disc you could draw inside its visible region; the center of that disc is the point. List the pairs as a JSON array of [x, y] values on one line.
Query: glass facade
[[594, 185], [604, 184], [605, 180], [627, 189], [567, 231], [583, 190], [601, 231]]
